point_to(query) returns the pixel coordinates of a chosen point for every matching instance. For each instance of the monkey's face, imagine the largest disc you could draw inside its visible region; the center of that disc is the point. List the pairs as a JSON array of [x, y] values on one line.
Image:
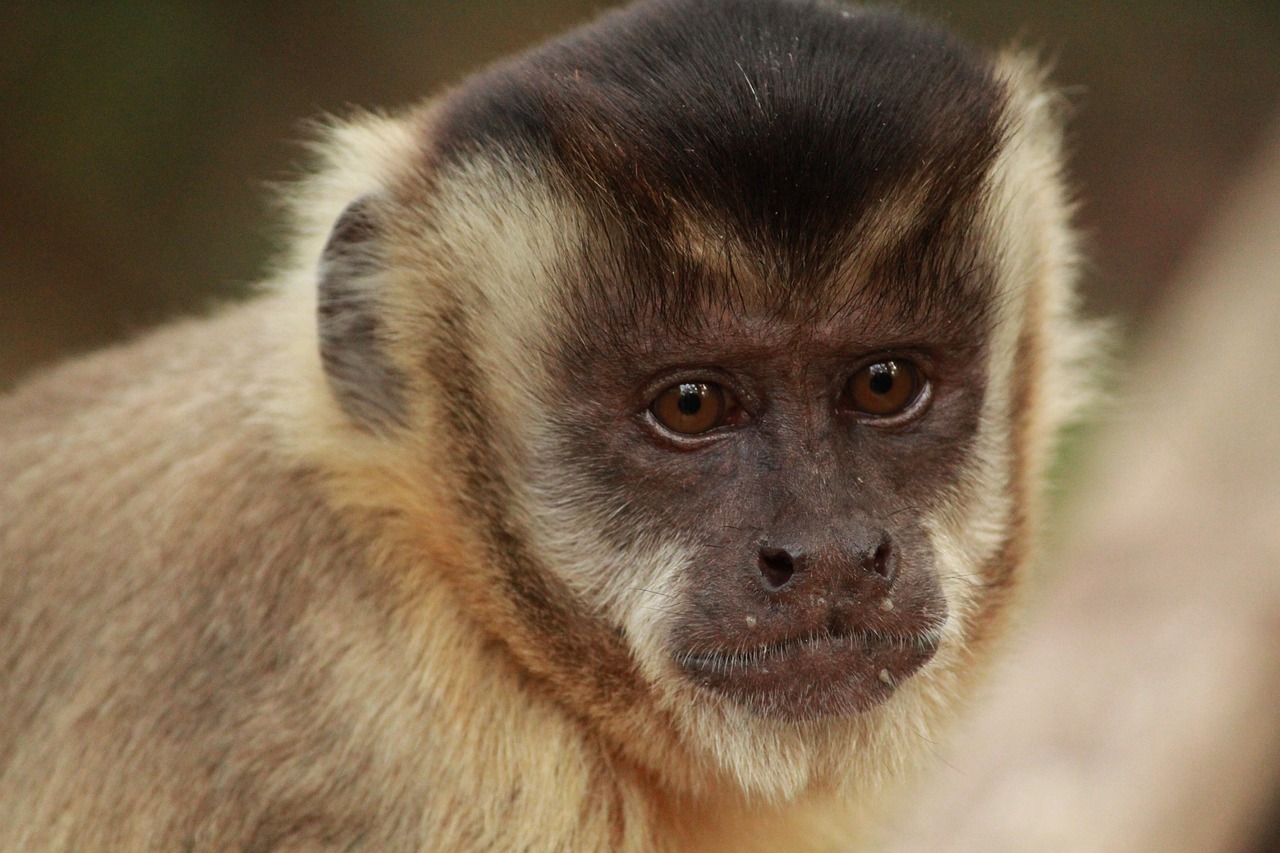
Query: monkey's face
[[794, 464]]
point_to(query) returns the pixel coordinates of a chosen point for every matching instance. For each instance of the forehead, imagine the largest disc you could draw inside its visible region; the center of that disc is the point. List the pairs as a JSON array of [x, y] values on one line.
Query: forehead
[[711, 290], [761, 156]]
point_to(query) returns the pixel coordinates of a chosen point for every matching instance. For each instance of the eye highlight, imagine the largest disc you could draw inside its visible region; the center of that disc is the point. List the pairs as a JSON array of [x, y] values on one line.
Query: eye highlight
[[692, 408], [885, 388]]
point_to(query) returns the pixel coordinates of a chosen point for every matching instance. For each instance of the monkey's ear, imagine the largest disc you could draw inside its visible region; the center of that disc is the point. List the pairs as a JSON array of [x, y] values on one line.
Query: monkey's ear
[[353, 348]]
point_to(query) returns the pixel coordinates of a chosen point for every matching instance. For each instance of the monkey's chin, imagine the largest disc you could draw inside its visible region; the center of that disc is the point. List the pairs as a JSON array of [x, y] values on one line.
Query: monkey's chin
[[812, 678]]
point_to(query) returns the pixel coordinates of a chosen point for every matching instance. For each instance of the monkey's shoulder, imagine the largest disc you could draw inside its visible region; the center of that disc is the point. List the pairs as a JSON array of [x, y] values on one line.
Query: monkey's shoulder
[[151, 470]]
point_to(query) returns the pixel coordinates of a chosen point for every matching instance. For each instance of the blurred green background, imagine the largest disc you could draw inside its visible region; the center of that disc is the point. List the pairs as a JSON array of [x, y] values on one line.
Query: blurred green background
[[138, 139]]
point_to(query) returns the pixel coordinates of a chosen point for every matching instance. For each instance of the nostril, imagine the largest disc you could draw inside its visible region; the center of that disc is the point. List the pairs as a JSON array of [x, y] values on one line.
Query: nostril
[[776, 567], [881, 561]]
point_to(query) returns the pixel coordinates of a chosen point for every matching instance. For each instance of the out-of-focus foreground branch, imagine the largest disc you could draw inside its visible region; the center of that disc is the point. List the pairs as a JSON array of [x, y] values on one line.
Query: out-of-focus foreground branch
[[1140, 710]]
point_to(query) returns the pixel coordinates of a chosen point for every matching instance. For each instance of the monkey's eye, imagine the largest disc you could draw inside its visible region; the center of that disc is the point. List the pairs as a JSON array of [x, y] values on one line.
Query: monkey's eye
[[885, 388], [692, 408]]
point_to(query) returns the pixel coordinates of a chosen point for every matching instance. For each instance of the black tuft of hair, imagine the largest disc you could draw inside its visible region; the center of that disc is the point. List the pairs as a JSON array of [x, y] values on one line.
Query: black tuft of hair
[[781, 121]]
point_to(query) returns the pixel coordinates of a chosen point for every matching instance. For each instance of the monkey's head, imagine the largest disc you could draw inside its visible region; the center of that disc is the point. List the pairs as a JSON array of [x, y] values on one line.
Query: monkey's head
[[709, 356]]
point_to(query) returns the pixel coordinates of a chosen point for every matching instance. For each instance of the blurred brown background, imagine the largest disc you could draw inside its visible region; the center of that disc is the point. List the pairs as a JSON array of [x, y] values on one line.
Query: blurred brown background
[[138, 140]]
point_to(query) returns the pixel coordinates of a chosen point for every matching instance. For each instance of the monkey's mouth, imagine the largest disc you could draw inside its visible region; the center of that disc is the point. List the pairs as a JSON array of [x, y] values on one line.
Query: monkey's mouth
[[814, 675]]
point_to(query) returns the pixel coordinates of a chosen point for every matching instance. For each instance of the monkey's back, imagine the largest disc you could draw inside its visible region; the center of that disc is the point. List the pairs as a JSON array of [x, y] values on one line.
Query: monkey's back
[[158, 608]]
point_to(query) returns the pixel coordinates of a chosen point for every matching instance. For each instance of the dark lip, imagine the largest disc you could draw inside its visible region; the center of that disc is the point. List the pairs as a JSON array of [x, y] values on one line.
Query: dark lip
[[813, 675], [777, 652]]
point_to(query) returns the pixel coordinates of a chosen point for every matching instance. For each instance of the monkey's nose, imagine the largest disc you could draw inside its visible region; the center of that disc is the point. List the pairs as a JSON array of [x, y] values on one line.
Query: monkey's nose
[[843, 568]]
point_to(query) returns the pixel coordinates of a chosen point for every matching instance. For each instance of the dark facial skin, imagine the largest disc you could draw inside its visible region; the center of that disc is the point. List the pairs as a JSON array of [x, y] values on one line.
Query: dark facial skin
[[812, 590]]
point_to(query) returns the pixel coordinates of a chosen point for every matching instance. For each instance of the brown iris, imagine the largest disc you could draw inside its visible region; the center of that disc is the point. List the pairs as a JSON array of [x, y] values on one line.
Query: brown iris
[[691, 408], [885, 388]]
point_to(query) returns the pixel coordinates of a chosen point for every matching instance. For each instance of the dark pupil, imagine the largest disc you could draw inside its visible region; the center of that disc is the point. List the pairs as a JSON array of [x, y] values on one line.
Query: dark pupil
[[690, 400], [881, 379]]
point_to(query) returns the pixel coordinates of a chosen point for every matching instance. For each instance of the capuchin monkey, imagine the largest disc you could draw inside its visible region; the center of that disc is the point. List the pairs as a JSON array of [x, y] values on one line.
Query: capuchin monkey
[[639, 449]]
